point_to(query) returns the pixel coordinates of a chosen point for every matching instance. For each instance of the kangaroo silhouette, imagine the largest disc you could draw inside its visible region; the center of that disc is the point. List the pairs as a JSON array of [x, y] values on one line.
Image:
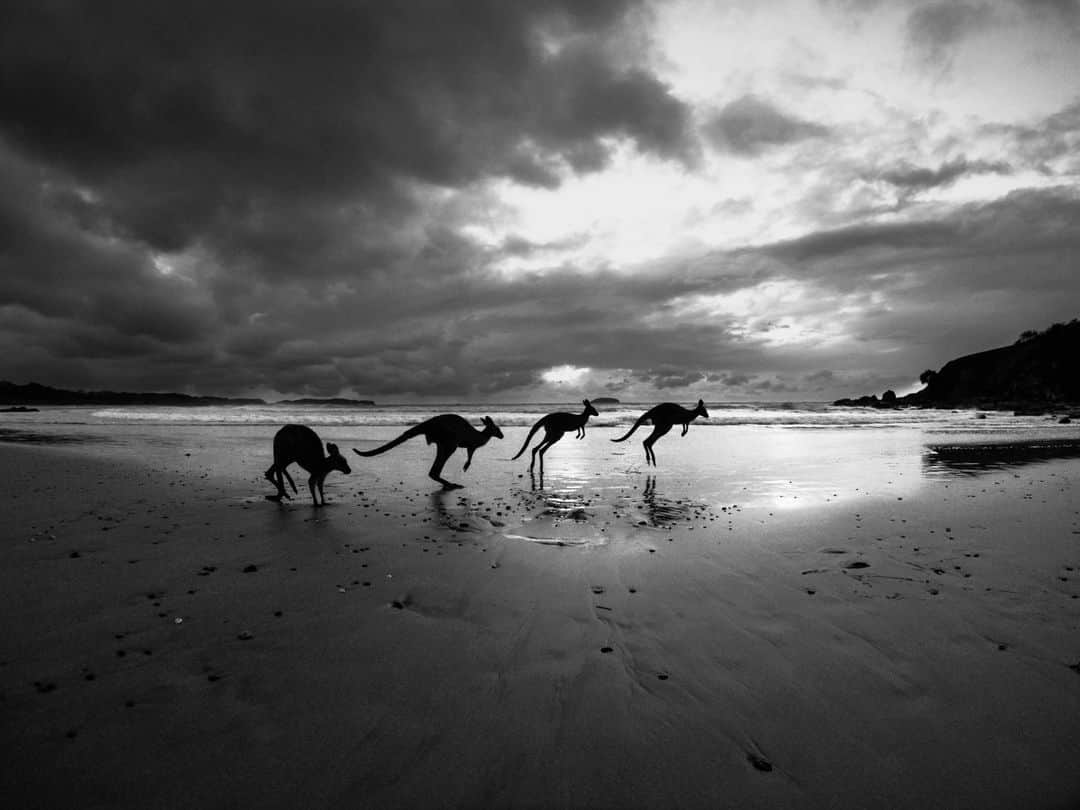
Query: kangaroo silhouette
[[664, 417], [447, 432], [302, 445], [555, 426]]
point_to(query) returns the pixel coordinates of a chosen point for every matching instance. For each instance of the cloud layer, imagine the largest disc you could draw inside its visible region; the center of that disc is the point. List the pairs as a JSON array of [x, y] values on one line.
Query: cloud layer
[[295, 200]]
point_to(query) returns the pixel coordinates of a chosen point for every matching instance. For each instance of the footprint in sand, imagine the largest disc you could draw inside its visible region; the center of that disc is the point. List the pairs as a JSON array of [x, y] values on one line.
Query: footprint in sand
[[759, 762]]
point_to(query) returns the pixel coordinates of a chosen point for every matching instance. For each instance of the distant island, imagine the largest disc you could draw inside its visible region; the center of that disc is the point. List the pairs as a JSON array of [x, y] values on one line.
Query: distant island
[[605, 401], [1040, 372], [15, 398], [336, 401]]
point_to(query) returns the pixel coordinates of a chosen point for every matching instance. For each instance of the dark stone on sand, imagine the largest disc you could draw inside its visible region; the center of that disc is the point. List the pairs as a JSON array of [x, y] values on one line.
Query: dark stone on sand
[[250, 569], [857, 564], [759, 762], [397, 605], [662, 676], [245, 635], [606, 649]]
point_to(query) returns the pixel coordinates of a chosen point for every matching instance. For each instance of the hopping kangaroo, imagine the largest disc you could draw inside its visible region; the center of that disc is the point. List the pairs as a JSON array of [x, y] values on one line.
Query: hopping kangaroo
[[301, 444], [447, 432], [664, 417], [555, 425]]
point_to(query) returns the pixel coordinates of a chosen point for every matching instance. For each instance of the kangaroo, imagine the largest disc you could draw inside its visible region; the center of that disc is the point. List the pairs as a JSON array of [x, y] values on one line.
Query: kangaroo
[[555, 425], [447, 432], [301, 444], [663, 417]]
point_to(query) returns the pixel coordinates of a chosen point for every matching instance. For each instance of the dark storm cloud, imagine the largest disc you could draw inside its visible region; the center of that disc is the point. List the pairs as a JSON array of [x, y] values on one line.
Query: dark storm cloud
[[750, 125], [910, 177], [184, 116], [670, 377], [1021, 223], [250, 195], [934, 29], [1049, 141], [1055, 12]]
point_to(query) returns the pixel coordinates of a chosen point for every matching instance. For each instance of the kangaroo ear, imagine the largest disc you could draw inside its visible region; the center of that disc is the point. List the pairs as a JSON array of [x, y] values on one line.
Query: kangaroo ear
[[585, 402], [331, 448]]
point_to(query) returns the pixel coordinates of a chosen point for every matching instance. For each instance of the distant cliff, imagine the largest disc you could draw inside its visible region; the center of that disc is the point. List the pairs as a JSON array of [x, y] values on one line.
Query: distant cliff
[[35, 394], [1040, 371]]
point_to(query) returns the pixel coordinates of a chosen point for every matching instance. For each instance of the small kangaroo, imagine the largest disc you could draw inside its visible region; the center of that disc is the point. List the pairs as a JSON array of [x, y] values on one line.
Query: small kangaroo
[[663, 417], [555, 425], [447, 432], [301, 444]]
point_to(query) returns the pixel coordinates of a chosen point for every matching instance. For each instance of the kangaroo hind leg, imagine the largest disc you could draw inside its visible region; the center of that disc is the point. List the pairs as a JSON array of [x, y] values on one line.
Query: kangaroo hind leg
[[658, 431], [274, 477], [442, 453]]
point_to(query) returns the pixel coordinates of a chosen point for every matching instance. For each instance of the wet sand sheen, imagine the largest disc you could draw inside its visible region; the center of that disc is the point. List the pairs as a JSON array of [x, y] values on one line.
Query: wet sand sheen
[[170, 640]]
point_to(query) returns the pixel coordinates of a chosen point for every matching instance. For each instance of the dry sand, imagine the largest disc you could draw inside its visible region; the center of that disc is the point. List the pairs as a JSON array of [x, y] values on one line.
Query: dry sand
[[171, 640]]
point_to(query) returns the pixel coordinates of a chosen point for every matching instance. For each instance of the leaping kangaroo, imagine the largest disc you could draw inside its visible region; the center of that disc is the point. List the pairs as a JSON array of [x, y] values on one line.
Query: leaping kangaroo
[[447, 432], [664, 417], [301, 444], [555, 425]]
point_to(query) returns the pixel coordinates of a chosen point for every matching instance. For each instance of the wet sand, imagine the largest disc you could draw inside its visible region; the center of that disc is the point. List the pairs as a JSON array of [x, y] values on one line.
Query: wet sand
[[169, 639]]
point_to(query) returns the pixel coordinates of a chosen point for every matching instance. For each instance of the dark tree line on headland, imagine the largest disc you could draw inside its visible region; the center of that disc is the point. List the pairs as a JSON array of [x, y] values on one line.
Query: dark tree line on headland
[[37, 394], [1037, 373]]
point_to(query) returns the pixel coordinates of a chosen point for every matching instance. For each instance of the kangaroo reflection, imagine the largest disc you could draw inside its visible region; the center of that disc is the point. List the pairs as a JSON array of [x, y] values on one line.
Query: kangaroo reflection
[[456, 513], [661, 511]]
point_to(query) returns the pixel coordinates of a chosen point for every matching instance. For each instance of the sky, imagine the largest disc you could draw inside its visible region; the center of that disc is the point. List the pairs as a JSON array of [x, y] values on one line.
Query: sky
[[516, 201]]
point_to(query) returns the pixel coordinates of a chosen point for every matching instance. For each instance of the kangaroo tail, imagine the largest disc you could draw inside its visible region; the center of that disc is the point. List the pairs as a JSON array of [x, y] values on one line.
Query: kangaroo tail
[[637, 424], [528, 438], [390, 445]]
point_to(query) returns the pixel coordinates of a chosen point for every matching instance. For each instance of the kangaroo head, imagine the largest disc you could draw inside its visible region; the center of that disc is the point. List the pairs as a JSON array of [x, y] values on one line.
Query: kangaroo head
[[336, 461], [589, 409], [700, 409], [492, 428]]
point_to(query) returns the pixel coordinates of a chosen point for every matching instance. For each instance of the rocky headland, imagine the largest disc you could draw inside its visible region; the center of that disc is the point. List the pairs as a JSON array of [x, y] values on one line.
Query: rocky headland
[[1039, 373]]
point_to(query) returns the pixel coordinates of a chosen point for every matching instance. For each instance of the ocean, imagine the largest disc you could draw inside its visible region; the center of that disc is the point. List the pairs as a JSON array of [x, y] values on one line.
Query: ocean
[[780, 454]]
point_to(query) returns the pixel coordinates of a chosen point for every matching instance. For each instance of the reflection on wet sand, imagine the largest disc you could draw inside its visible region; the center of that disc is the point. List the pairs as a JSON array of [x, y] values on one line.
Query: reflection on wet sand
[[662, 512], [972, 459], [34, 437]]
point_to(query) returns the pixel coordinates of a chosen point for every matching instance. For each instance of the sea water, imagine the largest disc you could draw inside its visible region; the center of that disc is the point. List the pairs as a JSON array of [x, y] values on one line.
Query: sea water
[[783, 454]]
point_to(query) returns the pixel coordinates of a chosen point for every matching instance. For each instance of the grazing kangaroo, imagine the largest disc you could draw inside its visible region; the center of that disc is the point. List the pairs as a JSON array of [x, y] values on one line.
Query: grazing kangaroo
[[301, 444], [555, 425], [447, 432], [663, 417]]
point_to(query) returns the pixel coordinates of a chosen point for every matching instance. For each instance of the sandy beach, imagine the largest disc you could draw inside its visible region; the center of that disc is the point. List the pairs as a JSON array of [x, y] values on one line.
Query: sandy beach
[[893, 635]]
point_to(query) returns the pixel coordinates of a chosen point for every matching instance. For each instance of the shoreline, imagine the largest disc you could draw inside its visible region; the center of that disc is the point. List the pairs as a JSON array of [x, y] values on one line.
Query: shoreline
[[400, 648]]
